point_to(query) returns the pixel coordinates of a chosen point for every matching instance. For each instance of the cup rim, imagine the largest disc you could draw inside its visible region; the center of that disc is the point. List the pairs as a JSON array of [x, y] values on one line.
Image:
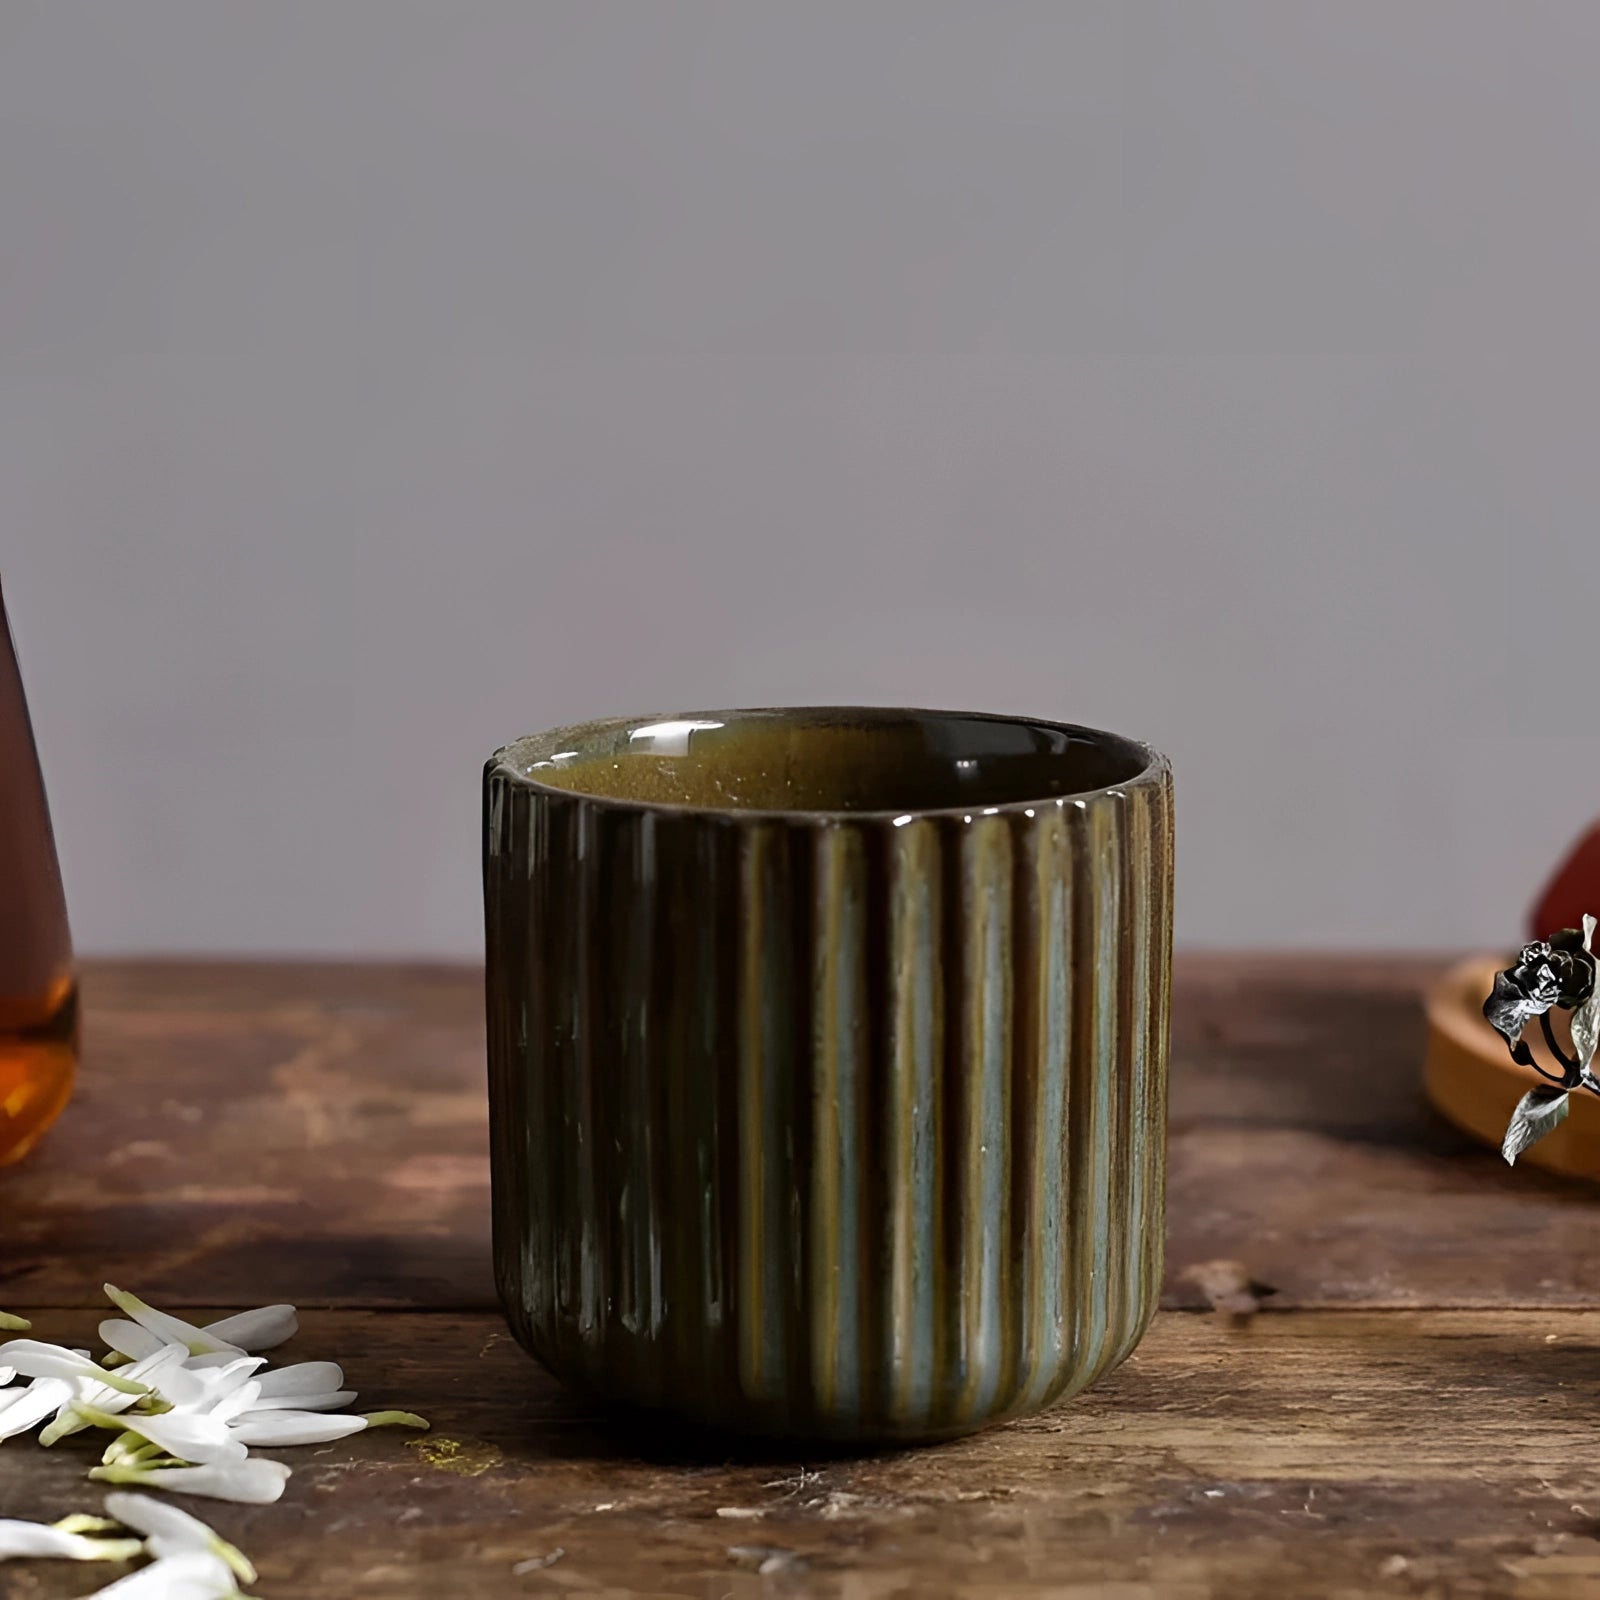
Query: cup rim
[[516, 761]]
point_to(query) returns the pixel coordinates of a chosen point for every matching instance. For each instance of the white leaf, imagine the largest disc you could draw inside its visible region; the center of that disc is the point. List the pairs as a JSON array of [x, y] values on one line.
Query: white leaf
[[1538, 1111], [254, 1481], [35, 1539], [197, 1575]]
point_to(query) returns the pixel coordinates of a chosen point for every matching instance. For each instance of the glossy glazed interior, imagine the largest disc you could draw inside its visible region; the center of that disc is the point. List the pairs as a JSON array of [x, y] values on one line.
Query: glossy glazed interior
[[831, 759]]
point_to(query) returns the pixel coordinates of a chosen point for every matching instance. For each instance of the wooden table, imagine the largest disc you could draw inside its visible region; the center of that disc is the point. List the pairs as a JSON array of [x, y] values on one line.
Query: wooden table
[[1416, 1411]]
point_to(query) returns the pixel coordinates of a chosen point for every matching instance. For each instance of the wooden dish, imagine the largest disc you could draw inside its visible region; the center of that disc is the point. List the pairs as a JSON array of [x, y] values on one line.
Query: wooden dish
[[1471, 1078]]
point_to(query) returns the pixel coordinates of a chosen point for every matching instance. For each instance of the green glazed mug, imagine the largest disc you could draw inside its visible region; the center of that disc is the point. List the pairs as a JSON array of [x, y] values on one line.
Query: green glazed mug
[[827, 1057]]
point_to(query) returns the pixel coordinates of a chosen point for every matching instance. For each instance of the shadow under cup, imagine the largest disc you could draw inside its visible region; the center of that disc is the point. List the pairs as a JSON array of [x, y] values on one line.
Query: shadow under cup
[[827, 1057]]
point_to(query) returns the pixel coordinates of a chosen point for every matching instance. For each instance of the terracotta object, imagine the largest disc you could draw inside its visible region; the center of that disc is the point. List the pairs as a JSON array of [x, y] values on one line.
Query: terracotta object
[[1573, 889], [1471, 1078], [38, 988], [828, 1062]]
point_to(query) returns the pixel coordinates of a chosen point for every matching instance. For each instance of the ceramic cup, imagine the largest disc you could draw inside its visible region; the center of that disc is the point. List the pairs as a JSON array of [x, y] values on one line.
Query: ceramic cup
[[827, 1055]]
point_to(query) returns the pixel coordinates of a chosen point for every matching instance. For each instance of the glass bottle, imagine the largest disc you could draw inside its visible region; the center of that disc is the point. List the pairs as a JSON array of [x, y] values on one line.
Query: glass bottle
[[38, 988]]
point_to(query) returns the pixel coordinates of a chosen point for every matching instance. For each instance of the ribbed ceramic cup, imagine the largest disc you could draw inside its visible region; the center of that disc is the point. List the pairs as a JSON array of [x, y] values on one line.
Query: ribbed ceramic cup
[[827, 1057]]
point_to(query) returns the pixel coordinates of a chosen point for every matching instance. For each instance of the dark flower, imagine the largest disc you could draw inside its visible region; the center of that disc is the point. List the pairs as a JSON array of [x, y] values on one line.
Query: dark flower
[[1559, 972]]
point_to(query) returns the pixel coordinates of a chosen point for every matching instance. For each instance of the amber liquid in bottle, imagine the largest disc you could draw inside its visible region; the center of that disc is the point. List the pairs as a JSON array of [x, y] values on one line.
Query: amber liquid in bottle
[[38, 993]]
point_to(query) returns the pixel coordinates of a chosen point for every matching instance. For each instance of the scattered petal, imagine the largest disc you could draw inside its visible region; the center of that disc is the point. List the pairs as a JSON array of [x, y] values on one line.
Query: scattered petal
[[254, 1481], [173, 1330], [35, 1359], [34, 1539], [171, 1532], [197, 1575], [149, 1372], [304, 1377], [32, 1405], [262, 1329], [305, 1386], [397, 1419], [81, 1522], [196, 1388], [11, 1324], [129, 1339], [124, 1448], [278, 1428], [189, 1435], [329, 1400], [242, 1400]]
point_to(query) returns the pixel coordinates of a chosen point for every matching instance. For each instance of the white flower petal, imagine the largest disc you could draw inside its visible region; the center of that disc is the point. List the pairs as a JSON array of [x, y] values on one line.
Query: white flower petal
[[303, 1377], [253, 1481], [329, 1400], [97, 1397], [173, 1330], [129, 1339], [189, 1435], [172, 1532], [35, 1359], [157, 1518], [127, 1446], [33, 1539], [194, 1576], [197, 1388], [32, 1405], [233, 1405], [6, 1375], [275, 1428], [150, 1369], [397, 1419], [262, 1329]]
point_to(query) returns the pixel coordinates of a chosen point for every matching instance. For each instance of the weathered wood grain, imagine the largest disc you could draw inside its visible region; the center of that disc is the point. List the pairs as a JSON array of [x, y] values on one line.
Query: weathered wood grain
[[246, 1131], [1302, 1146], [254, 1132], [1319, 1453], [264, 1131]]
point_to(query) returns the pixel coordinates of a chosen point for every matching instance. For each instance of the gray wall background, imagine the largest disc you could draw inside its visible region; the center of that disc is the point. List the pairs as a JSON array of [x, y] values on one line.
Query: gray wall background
[[380, 380]]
